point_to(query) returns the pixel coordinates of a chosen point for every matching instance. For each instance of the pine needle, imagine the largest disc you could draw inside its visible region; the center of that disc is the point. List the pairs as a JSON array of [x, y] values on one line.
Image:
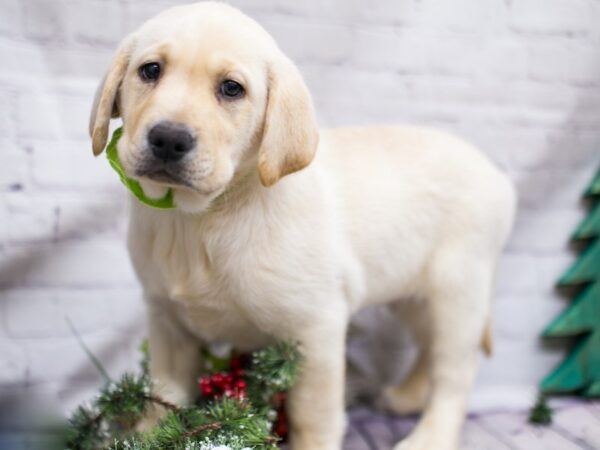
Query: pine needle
[[97, 364]]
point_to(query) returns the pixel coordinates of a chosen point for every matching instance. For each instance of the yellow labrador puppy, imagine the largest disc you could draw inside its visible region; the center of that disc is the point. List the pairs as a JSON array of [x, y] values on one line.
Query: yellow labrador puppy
[[282, 232]]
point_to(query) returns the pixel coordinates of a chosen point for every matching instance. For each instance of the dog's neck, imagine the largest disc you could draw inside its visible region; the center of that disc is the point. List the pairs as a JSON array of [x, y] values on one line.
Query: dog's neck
[[245, 183], [244, 190]]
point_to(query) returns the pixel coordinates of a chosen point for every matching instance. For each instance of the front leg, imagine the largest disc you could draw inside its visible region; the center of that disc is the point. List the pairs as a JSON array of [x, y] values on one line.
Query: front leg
[[174, 362], [316, 402]]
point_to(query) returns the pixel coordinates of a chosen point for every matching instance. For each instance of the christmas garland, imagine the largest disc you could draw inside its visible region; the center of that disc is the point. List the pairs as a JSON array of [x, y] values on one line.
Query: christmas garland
[[240, 407]]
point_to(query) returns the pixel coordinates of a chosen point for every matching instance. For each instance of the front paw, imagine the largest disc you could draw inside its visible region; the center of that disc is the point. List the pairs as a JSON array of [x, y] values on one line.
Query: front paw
[[309, 441]]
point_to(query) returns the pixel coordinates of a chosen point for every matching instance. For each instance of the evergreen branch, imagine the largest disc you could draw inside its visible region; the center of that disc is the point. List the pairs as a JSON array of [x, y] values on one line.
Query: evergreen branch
[[162, 402], [201, 428], [541, 413], [231, 422], [272, 370]]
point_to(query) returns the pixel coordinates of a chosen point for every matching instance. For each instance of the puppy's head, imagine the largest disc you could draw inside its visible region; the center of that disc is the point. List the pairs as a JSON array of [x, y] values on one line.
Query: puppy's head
[[204, 94]]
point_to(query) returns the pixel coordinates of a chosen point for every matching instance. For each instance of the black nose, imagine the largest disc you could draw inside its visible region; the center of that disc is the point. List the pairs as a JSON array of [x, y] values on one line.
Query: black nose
[[170, 141]]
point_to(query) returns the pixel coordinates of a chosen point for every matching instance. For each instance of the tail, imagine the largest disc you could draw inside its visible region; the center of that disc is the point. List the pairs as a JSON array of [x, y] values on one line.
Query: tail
[[487, 340]]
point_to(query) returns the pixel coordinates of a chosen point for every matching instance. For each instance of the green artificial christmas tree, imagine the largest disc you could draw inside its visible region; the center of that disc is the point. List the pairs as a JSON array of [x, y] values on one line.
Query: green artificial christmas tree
[[579, 373]]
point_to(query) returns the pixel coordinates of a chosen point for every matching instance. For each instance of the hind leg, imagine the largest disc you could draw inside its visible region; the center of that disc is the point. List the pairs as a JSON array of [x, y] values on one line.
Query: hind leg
[[411, 396], [458, 307]]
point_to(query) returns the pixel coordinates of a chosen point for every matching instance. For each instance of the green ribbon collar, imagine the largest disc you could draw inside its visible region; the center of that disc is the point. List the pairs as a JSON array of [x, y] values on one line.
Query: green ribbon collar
[[113, 158]]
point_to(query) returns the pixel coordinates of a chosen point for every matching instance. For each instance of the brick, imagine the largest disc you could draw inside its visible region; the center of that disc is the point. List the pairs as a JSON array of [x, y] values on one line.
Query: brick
[[76, 62], [355, 11], [336, 84], [465, 15], [532, 118], [13, 363], [20, 321], [127, 311], [136, 13], [266, 9], [504, 59], [582, 145], [513, 149], [516, 275], [28, 218], [43, 19], [529, 149], [456, 55], [557, 226], [581, 63], [551, 267], [552, 188], [92, 214], [74, 87], [21, 58], [548, 61], [517, 363], [71, 264], [303, 41], [36, 115], [387, 48], [17, 160], [44, 353], [526, 93], [74, 113], [523, 323], [8, 100], [96, 23], [10, 18], [112, 309], [457, 92], [551, 16], [384, 11], [525, 148], [68, 164]]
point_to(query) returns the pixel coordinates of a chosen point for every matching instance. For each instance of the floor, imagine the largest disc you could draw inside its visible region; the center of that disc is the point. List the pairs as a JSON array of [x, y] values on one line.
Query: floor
[[576, 426]]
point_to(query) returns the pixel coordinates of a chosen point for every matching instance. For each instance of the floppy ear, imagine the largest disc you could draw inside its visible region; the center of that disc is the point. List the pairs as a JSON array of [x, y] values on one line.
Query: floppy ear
[[290, 134], [105, 101]]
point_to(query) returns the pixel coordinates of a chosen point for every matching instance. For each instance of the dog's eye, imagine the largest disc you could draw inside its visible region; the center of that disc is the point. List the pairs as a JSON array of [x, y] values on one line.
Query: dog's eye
[[150, 71], [231, 89]]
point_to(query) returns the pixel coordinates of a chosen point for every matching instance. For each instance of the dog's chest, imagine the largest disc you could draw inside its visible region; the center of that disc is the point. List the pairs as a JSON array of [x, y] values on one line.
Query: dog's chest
[[183, 267], [211, 305]]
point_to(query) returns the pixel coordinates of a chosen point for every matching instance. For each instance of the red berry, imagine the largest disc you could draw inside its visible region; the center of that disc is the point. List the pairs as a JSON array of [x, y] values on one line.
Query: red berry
[[281, 426], [217, 378], [279, 398], [228, 393]]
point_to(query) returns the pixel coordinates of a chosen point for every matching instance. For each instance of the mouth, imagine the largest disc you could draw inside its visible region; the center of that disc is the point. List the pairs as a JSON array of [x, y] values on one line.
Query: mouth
[[164, 175], [170, 177]]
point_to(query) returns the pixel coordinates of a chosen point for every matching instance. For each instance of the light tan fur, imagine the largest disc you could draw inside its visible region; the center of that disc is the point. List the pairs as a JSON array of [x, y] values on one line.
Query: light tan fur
[[487, 343], [281, 234]]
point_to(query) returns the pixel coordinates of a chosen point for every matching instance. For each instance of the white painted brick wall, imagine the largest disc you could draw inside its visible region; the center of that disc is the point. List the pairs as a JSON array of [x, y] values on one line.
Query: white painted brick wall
[[519, 78]]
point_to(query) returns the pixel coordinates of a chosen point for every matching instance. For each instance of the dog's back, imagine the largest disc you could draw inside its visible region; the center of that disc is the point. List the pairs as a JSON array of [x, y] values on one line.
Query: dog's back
[[407, 191]]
